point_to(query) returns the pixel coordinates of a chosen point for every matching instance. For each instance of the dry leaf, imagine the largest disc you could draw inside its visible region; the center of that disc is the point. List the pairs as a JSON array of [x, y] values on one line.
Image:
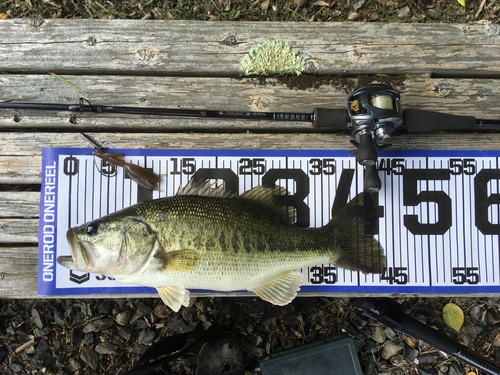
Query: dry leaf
[[453, 316], [4, 16], [265, 5], [300, 3], [321, 3], [461, 2]]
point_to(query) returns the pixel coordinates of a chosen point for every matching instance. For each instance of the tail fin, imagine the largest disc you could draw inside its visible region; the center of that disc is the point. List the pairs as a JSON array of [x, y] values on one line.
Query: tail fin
[[356, 250]]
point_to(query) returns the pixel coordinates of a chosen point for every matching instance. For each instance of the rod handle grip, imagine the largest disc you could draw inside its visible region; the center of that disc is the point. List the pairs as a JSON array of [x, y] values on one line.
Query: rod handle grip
[[417, 121], [335, 119]]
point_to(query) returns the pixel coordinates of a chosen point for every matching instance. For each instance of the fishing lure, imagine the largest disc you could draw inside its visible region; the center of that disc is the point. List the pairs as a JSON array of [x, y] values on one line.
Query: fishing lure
[[142, 176]]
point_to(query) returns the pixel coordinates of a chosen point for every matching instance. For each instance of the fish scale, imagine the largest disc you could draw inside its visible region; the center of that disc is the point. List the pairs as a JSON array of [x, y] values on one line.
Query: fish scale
[[207, 238]]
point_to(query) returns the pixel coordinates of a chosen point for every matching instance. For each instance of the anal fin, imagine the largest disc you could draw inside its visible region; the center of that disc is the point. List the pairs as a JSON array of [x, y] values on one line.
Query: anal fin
[[282, 290], [174, 296]]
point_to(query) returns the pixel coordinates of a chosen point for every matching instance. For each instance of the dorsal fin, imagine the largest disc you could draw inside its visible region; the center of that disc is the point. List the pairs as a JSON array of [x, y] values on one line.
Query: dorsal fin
[[205, 189], [267, 197]]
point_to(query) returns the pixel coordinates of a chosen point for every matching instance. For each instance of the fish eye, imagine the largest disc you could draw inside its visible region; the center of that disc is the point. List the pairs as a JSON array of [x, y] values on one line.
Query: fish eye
[[92, 229]]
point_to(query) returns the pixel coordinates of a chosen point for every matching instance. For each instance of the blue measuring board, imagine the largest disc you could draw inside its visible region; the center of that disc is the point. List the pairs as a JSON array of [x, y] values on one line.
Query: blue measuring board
[[439, 211]]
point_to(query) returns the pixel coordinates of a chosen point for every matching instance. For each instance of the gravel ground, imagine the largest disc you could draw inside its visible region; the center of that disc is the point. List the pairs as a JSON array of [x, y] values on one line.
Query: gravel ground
[[107, 336]]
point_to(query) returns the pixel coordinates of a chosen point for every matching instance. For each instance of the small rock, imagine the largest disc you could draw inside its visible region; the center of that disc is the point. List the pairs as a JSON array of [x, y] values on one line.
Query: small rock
[[76, 335], [140, 349], [456, 369], [142, 309], [189, 314], [35, 316], [146, 337], [300, 3], [60, 322], [379, 335], [42, 346], [404, 13], [177, 324], [106, 348], [90, 357], [88, 339], [22, 336], [421, 318], [162, 311], [16, 367], [390, 333], [72, 365], [202, 304], [476, 313], [427, 371], [434, 14], [105, 307], [142, 323], [122, 318], [427, 359], [390, 349], [358, 4], [125, 333], [11, 330], [86, 309], [3, 353], [354, 16], [43, 359], [411, 354], [98, 325], [469, 333]]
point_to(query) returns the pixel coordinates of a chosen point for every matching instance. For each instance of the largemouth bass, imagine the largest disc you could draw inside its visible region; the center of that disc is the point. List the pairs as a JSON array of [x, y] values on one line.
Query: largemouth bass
[[209, 238]]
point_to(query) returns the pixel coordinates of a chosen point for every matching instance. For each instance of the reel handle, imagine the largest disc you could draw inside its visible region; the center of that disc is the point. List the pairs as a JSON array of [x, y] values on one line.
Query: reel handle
[[367, 153], [371, 181]]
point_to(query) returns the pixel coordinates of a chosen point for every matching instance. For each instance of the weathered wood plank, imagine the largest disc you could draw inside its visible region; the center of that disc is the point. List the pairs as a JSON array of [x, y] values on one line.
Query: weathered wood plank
[[19, 204], [20, 153], [158, 48], [18, 230], [18, 272], [471, 97]]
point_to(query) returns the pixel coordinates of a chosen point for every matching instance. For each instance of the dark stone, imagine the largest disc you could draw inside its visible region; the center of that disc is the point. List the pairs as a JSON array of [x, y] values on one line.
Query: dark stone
[[146, 337], [35, 316], [125, 333], [106, 348], [76, 335], [73, 365], [11, 330], [16, 367], [105, 307], [427, 371], [411, 354], [177, 324], [3, 353], [141, 323], [98, 325], [90, 357], [140, 349], [427, 359], [42, 346], [88, 339], [142, 309], [421, 318], [189, 314], [43, 360], [456, 369], [60, 322]]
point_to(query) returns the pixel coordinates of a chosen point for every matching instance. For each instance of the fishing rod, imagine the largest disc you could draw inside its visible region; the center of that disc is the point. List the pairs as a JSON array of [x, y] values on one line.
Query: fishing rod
[[390, 313], [373, 113]]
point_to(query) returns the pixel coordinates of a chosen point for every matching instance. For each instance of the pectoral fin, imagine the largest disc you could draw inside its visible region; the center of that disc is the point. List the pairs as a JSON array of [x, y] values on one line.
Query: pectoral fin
[[174, 296], [282, 290], [179, 260]]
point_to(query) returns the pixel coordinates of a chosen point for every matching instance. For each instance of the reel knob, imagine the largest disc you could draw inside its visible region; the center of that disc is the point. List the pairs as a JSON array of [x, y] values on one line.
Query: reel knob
[[371, 182]]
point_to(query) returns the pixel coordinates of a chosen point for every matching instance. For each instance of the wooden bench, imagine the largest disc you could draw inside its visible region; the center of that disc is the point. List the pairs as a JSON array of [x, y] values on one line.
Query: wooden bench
[[450, 68]]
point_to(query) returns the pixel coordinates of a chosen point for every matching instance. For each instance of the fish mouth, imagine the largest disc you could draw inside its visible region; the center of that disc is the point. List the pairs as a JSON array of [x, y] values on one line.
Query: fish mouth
[[81, 251]]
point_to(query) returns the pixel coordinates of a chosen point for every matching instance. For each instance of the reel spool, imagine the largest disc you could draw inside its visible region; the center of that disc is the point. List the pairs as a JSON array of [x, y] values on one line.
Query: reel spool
[[374, 113]]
